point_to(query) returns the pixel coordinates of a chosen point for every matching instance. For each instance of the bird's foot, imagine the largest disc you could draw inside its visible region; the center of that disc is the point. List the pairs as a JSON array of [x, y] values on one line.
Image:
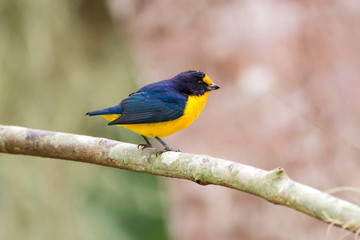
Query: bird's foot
[[159, 152], [143, 146]]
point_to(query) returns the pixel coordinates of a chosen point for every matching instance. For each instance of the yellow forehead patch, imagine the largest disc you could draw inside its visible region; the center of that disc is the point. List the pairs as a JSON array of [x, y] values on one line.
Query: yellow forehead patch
[[207, 80]]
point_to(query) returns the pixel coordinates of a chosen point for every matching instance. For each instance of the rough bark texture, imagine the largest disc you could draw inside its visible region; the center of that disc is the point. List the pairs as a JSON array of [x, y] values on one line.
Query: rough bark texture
[[274, 186]]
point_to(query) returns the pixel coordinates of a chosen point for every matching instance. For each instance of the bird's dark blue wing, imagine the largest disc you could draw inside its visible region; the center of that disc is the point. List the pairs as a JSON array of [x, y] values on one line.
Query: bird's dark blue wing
[[151, 107]]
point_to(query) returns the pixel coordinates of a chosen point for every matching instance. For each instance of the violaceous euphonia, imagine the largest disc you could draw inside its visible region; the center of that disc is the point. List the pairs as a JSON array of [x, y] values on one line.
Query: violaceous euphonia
[[161, 108]]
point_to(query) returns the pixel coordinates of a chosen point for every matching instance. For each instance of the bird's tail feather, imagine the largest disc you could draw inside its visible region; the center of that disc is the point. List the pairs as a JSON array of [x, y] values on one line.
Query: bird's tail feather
[[107, 111]]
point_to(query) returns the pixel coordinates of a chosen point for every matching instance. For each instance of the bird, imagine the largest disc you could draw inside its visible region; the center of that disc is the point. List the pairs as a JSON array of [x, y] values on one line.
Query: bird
[[162, 108]]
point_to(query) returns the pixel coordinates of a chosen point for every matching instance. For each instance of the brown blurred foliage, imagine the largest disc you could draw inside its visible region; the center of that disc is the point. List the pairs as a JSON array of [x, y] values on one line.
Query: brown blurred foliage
[[289, 74]]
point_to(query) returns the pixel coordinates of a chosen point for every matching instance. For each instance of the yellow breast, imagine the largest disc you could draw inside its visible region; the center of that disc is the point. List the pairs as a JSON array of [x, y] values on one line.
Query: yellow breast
[[192, 110]]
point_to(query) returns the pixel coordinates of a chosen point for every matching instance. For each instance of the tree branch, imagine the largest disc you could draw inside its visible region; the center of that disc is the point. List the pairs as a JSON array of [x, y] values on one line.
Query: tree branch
[[274, 186]]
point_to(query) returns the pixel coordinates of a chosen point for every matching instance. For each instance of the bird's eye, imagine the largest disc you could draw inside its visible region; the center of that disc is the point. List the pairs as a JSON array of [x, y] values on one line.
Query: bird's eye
[[200, 82]]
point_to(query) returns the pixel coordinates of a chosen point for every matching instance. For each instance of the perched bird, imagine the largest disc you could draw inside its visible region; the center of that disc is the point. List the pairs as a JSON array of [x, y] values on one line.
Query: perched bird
[[161, 108]]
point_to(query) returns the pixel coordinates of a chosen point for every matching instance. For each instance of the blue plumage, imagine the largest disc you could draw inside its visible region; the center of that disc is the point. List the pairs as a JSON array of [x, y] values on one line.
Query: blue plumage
[[157, 102], [151, 106]]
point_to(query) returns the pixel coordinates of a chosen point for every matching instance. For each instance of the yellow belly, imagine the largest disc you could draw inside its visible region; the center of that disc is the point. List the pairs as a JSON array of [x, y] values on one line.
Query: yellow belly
[[192, 110]]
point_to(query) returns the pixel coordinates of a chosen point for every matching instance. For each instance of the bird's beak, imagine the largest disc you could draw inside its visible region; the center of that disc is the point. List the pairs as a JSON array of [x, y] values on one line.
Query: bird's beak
[[212, 86]]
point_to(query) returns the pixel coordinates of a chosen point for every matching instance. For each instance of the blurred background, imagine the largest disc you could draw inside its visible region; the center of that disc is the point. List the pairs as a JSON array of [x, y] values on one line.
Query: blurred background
[[289, 76]]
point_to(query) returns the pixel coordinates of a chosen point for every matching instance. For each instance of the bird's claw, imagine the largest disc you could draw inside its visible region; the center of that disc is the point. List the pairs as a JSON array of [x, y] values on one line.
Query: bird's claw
[[143, 146]]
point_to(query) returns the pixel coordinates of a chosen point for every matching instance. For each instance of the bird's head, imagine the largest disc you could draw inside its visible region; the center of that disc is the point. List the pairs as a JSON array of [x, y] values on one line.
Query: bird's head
[[194, 83]]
